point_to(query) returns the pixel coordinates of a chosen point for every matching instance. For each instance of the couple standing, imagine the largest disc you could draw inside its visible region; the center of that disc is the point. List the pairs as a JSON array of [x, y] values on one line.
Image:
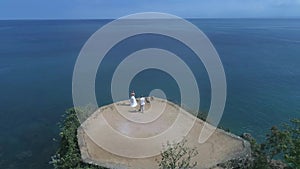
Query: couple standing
[[133, 102]]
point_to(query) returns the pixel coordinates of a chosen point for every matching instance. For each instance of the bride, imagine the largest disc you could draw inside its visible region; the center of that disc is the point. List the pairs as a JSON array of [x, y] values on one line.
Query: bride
[[133, 102]]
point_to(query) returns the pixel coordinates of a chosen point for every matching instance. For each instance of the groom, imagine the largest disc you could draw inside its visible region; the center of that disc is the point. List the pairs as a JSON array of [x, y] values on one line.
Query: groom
[[142, 104]]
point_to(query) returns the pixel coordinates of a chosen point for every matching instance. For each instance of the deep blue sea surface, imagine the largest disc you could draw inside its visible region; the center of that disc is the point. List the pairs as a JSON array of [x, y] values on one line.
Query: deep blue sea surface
[[261, 59]]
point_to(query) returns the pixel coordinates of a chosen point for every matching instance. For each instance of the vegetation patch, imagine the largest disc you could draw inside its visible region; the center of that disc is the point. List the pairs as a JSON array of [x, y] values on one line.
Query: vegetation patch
[[68, 154]]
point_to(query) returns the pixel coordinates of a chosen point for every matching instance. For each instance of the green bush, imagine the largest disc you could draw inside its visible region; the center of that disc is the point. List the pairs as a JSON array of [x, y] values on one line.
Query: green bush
[[291, 149], [281, 145], [177, 156], [68, 154]]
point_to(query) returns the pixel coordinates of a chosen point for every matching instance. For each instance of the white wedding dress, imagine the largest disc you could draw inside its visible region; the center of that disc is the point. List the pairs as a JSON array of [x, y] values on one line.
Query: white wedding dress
[[133, 102]]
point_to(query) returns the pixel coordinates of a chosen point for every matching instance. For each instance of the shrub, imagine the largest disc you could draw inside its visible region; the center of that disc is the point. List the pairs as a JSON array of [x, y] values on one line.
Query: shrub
[[281, 145], [177, 156], [68, 154]]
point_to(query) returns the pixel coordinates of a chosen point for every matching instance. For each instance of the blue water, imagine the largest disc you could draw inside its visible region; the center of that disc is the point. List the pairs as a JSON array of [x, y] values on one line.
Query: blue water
[[261, 59]]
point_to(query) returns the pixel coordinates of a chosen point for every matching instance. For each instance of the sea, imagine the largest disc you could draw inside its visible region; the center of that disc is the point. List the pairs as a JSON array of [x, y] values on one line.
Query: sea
[[260, 57]]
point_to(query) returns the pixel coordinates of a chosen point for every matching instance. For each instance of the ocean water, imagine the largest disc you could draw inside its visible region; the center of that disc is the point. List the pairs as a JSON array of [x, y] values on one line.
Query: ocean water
[[261, 59]]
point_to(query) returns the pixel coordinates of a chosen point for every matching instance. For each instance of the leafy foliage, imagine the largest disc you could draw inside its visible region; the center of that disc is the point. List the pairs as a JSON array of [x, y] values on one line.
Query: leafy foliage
[[177, 156], [280, 144], [260, 159], [292, 149], [68, 155]]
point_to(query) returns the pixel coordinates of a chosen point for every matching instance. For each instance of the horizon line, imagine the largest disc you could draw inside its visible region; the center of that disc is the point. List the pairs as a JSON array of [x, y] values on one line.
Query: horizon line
[[188, 18]]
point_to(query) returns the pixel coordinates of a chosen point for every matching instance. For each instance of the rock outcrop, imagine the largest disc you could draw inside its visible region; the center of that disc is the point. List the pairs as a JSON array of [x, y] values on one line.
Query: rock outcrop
[[221, 148]]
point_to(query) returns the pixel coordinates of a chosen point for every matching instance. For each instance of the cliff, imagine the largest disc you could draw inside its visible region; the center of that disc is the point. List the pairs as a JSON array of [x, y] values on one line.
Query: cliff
[[132, 149]]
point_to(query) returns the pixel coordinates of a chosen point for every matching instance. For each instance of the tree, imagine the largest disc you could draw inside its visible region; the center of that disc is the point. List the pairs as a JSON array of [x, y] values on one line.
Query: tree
[[282, 144], [68, 154], [260, 159], [177, 156], [292, 150]]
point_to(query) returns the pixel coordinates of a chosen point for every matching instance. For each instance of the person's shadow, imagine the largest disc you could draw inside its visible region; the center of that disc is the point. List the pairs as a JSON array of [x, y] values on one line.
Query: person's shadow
[[123, 104], [134, 111]]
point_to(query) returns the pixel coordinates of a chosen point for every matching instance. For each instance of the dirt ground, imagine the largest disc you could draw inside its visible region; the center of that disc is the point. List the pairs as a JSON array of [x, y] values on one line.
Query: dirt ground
[[119, 136]]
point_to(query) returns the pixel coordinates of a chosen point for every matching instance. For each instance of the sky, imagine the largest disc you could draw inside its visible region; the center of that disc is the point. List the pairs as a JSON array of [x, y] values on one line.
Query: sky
[[110, 9]]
